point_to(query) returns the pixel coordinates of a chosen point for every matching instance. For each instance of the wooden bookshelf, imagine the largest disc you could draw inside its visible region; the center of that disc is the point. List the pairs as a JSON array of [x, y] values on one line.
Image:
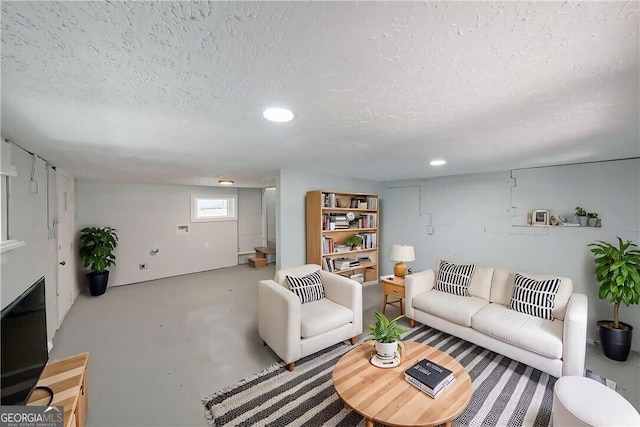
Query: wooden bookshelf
[[325, 240]]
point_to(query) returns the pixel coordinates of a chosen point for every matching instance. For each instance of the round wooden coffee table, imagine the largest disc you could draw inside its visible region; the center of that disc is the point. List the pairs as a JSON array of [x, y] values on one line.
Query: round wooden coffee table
[[384, 396]]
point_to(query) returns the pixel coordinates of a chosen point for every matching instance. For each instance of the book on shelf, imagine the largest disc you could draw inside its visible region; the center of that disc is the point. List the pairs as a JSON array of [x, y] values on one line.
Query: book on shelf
[[353, 262], [429, 376]]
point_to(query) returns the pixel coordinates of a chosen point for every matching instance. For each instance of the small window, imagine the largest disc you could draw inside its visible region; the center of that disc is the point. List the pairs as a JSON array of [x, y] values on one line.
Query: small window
[[206, 208]]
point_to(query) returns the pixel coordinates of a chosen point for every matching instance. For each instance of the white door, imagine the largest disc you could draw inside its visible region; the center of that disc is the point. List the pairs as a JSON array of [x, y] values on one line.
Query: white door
[[65, 293]]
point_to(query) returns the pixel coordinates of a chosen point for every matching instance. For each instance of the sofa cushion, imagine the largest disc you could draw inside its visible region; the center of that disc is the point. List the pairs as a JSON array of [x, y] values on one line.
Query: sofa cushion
[[450, 307], [480, 285], [322, 316], [538, 335], [502, 289], [454, 278], [308, 288], [534, 297]]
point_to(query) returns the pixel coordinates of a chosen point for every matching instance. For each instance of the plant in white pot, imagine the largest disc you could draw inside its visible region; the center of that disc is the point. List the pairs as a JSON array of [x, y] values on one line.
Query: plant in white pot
[[618, 272], [386, 335], [582, 216]]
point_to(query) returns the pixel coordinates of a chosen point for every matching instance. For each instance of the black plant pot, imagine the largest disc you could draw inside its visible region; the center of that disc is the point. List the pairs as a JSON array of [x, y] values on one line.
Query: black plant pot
[[616, 343], [98, 282]]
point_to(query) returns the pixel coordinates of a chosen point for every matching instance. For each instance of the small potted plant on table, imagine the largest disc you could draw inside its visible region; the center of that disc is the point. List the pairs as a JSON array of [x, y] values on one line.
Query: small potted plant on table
[[592, 221], [618, 272], [386, 335], [96, 251]]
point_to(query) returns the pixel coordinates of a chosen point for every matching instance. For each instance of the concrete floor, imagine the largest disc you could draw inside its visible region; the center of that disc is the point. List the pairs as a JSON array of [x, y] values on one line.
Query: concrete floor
[[157, 348]]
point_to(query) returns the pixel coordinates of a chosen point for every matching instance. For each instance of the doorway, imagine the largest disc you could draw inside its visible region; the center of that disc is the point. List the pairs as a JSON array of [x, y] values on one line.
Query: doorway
[[65, 289]]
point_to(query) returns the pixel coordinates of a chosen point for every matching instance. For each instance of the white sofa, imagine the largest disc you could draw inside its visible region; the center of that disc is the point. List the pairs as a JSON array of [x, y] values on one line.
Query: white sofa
[[554, 346], [294, 330]]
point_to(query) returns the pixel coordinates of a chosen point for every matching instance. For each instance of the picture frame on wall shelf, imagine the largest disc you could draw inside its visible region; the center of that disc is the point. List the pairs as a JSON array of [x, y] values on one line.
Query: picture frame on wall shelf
[[540, 217]]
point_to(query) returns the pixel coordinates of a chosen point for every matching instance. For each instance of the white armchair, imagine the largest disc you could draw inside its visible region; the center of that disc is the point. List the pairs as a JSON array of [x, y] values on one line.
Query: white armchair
[[294, 330]]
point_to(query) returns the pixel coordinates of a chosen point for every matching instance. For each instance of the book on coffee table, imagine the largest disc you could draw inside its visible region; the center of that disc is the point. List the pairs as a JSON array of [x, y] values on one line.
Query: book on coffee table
[[429, 377], [426, 390]]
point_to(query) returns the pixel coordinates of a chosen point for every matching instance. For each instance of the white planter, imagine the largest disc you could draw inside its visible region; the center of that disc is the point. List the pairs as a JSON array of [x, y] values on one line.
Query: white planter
[[386, 349], [592, 222], [583, 221]]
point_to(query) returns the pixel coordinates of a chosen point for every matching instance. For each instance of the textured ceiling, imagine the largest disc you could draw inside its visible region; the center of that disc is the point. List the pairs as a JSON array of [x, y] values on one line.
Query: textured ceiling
[[173, 92]]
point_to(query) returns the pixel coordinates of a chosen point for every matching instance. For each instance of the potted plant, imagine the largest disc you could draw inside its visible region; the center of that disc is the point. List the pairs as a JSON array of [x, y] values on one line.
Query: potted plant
[[96, 251], [618, 272], [386, 335], [593, 219], [354, 241], [582, 216]]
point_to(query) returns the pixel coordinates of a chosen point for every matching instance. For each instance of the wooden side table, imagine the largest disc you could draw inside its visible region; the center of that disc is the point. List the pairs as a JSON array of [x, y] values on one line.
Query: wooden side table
[[68, 380], [392, 286]]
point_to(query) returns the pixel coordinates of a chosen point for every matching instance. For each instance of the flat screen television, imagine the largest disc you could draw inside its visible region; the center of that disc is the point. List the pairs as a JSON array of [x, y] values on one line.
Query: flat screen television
[[24, 348]]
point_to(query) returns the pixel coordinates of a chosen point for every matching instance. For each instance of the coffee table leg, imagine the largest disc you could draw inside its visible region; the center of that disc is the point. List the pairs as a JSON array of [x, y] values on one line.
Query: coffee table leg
[[447, 424], [369, 423]]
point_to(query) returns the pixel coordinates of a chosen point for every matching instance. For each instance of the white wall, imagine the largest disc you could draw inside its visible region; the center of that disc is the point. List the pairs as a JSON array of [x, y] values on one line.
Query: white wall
[[27, 221], [291, 192], [146, 217], [270, 212], [472, 219]]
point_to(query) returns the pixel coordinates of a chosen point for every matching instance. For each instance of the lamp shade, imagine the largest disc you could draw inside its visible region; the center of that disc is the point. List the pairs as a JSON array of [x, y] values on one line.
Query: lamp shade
[[402, 253]]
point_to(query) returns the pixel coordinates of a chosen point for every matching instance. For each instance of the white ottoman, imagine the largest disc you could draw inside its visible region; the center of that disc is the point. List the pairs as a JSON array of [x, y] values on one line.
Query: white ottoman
[[580, 401]]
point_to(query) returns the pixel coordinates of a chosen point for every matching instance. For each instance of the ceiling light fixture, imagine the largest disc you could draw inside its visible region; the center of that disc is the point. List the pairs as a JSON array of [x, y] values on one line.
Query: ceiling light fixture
[[437, 162], [279, 115], [225, 182]]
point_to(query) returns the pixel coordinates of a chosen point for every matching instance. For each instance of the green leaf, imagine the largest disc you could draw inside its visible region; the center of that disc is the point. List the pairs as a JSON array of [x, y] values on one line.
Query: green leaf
[[96, 247], [618, 271]]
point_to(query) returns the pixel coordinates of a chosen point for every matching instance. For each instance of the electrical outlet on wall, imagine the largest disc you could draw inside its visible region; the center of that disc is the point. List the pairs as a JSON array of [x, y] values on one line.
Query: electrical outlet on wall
[[143, 266]]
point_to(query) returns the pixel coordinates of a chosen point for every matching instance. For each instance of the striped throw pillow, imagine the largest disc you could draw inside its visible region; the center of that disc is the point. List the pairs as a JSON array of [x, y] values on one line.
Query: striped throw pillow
[[534, 297], [454, 278], [308, 288]]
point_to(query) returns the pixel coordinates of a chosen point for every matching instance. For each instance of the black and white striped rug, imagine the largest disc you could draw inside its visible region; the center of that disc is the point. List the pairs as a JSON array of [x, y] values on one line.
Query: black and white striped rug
[[505, 392]]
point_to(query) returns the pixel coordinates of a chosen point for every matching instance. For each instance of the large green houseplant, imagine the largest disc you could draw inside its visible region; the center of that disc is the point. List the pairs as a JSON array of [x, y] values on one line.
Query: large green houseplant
[[618, 272], [386, 334], [96, 251]]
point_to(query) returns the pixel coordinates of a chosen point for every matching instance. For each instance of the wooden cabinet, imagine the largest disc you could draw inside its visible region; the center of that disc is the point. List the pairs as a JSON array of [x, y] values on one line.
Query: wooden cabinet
[[68, 380], [332, 216], [392, 286]]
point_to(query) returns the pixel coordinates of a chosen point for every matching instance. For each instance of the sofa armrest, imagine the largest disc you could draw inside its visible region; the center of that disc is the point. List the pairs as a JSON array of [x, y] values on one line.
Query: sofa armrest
[[574, 336], [346, 292], [414, 285], [279, 316]]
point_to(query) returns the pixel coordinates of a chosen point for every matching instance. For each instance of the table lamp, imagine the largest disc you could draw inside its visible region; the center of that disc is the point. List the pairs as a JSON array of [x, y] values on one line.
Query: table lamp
[[401, 254]]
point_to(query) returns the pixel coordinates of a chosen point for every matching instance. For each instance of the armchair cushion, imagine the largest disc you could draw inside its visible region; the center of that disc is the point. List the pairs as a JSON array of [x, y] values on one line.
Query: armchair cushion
[[308, 288], [322, 316]]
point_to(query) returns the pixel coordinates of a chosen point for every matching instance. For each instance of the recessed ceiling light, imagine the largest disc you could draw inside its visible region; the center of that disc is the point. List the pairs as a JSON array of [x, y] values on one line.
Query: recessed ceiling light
[[225, 182], [279, 115], [437, 162]]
